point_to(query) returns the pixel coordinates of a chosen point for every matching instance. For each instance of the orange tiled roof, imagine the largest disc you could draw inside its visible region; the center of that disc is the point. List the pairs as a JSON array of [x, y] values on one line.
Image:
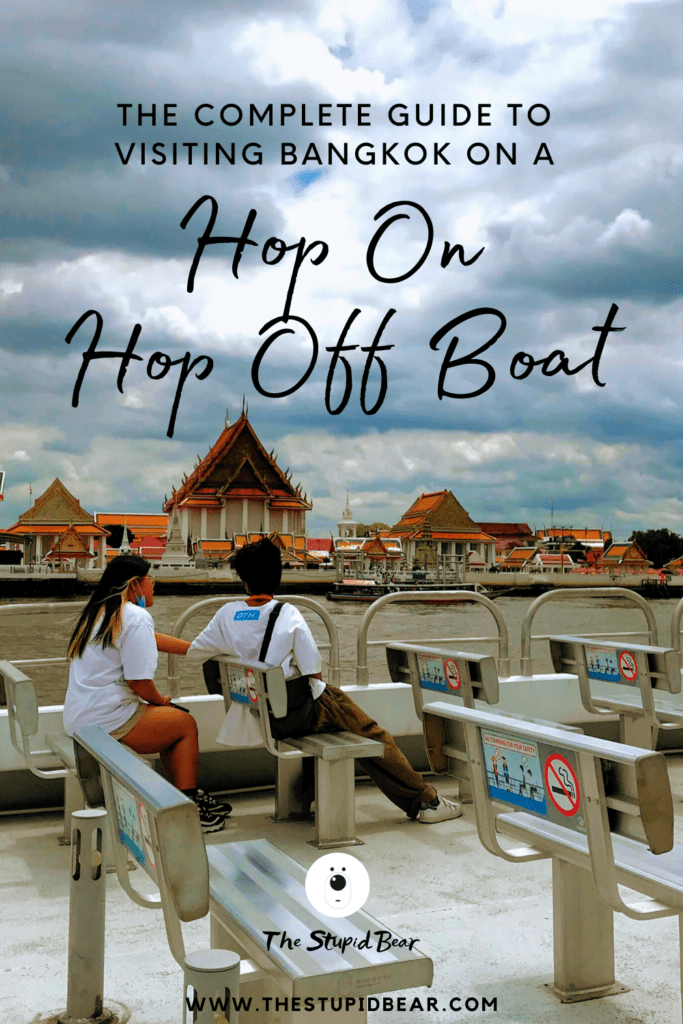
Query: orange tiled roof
[[219, 451], [57, 529]]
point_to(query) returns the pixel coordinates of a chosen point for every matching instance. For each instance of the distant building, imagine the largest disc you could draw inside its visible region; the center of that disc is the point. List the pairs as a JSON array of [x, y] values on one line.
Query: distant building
[[508, 535], [56, 529], [436, 526], [516, 560], [238, 492], [589, 538], [149, 532], [623, 558]]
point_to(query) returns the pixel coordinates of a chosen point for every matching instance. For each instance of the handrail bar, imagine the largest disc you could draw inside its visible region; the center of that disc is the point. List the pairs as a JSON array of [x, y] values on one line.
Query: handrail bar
[[425, 596], [436, 640], [305, 602], [41, 609], [526, 664]]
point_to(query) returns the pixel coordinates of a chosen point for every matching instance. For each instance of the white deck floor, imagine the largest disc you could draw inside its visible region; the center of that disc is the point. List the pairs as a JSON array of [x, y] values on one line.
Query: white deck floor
[[486, 924]]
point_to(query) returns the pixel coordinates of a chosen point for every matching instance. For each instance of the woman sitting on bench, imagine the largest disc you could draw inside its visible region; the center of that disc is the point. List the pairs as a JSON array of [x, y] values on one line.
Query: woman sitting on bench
[[113, 655], [239, 628]]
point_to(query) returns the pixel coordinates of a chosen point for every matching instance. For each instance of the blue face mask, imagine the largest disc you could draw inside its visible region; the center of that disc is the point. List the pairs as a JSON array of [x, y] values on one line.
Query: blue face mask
[[140, 601]]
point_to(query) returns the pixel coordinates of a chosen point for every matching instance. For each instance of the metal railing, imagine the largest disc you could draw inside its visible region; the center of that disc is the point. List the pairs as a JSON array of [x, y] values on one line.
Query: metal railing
[[362, 642], [526, 664], [676, 626], [304, 602], [51, 608]]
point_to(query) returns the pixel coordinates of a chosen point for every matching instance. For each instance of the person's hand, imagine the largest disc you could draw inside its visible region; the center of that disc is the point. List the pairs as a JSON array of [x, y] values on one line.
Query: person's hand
[[178, 706]]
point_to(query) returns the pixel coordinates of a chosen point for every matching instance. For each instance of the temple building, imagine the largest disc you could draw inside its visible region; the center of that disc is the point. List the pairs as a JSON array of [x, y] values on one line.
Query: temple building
[[148, 529], [238, 492], [59, 530], [437, 527]]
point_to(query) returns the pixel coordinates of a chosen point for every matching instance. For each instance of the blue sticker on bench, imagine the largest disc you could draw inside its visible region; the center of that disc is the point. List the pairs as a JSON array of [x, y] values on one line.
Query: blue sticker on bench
[[513, 772]]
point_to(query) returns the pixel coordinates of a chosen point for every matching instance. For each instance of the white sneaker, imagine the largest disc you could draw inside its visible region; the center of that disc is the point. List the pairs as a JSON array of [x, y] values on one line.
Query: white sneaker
[[444, 811]]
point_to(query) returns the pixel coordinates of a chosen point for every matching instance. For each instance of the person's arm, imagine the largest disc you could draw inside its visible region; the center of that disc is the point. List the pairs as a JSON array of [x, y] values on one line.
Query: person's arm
[[210, 641], [147, 691], [171, 644]]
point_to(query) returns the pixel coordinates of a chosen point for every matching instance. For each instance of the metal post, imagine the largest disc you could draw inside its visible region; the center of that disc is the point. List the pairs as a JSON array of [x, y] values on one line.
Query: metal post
[[335, 804], [289, 805], [85, 978], [214, 976], [73, 801], [583, 932]]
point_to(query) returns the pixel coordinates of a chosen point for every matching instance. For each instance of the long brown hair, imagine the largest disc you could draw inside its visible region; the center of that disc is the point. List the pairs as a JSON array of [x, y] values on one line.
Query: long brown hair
[[107, 600]]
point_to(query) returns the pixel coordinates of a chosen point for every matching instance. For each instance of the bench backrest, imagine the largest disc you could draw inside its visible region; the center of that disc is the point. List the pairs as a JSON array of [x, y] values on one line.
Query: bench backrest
[[153, 821], [257, 687], [576, 784], [637, 668], [435, 672], [22, 713]]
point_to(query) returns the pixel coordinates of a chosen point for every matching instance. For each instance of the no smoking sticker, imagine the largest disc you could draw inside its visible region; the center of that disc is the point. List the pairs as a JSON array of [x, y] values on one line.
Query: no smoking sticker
[[251, 687], [628, 666], [562, 785], [452, 673]]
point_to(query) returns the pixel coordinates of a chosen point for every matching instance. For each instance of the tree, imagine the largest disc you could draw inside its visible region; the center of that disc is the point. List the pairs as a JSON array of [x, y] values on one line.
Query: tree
[[658, 546], [369, 531], [116, 536]]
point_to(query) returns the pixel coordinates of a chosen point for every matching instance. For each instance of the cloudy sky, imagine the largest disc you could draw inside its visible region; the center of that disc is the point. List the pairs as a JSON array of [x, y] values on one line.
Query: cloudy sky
[[562, 241]]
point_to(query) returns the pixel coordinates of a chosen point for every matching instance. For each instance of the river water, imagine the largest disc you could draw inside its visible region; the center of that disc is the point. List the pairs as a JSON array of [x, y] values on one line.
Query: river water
[[45, 636]]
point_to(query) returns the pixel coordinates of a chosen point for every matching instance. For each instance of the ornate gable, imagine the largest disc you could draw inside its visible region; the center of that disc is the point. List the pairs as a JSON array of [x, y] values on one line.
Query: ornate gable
[[56, 505], [238, 460], [71, 546]]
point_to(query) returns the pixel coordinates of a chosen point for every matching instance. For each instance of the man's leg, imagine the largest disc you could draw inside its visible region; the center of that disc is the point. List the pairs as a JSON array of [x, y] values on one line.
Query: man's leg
[[393, 773]]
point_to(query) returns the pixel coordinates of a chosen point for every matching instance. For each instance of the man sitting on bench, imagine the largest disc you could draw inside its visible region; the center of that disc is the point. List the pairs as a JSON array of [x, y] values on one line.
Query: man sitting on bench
[[261, 629]]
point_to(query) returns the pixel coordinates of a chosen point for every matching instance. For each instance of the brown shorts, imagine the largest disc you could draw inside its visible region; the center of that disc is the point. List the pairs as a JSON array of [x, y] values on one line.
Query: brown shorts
[[124, 729]]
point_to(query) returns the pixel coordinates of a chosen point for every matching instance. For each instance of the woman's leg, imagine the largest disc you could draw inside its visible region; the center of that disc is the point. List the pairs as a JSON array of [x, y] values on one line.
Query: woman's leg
[[173, 734]]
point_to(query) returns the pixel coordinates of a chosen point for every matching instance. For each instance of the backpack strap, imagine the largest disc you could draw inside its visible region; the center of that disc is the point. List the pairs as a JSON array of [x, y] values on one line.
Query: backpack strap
[[270, 626]]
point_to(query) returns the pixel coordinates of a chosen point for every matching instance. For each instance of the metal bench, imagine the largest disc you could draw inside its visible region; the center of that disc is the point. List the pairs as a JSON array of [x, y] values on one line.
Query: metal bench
[[22, 713], [250, 888], [457, 678], [637, 671], [260, 688], [602, 811]]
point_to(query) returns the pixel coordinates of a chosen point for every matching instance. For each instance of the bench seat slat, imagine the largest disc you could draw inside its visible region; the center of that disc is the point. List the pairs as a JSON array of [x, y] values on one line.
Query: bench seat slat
[[337, 746], [654, 875], [63, 746], [259, 888]]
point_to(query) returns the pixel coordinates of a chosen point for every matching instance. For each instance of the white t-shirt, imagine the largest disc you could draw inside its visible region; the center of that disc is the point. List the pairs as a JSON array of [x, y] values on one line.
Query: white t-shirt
[[238, 629], [98, 693]]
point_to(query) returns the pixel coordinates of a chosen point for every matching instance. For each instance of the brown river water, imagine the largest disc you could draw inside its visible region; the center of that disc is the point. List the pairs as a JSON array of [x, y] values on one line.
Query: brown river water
[[24, 636]]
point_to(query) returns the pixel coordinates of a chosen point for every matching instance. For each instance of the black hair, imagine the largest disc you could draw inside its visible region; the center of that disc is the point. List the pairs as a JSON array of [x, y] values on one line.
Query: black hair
[[108, 597], [259, 566]]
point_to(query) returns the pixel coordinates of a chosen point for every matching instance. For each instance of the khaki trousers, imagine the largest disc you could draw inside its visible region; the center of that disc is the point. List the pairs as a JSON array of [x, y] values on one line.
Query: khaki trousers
[[393, 773]]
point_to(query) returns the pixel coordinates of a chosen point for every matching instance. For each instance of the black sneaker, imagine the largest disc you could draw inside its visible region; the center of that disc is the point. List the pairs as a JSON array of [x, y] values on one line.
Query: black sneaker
[[209, 821], [211, 804]]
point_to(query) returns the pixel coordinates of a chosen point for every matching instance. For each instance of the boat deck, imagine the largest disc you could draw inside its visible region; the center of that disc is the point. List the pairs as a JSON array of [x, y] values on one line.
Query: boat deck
[[486, 924]]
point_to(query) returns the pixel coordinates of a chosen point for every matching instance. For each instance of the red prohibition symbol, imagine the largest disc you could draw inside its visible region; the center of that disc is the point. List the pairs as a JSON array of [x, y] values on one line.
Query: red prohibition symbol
[[562, 785], [628, 666], [452, 674], [251, 687]]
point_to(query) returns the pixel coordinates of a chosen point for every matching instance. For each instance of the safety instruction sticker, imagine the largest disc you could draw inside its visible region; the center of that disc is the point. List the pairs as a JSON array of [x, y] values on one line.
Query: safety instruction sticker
[[562, 785], [533, 776], [513, 771], [251, 687], [238, 681], [628, 666], [602, 664], [452, 673], [431, 671], [128, 822]]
